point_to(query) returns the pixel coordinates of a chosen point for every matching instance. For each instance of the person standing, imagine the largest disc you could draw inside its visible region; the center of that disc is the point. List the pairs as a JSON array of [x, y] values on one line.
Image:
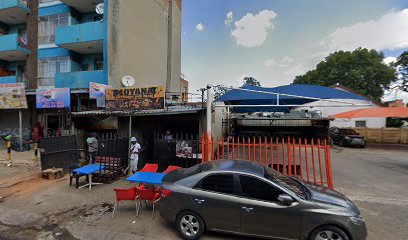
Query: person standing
[[93, 146], [168, 135], [134, 154]]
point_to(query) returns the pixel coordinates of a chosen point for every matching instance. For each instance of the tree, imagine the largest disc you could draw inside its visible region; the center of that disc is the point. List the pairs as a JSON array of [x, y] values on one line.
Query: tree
[[250, 81], [220, 90], [402, 67], [362, 70]]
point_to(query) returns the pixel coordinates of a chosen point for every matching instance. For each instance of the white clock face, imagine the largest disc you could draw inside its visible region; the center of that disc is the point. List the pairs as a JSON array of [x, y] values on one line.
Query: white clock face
[[128, 81]]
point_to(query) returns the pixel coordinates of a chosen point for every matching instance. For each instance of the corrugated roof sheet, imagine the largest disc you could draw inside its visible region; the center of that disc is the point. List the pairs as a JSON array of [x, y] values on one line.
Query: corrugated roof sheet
[[168, 111]]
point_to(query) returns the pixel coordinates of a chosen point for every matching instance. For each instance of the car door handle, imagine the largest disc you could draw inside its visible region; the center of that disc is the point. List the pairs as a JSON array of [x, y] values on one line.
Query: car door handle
[[199, 201], [247, 209]]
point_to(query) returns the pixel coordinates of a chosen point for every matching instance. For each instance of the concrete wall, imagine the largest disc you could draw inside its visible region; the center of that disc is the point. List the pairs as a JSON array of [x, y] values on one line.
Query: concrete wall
[[176, 44], [138, 42], [351, 123]]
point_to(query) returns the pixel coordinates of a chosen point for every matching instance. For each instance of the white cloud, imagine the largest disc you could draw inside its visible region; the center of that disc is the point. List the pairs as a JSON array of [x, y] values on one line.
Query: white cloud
[[252, 30], [297, 70], [270, 62], [283, 63], [388, 32], [389, 60], [200, 27], [230, 18], [287, 59]]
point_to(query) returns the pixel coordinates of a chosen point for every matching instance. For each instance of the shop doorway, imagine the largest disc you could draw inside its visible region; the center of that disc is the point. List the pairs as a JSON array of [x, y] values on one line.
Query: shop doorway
[[53, 125]]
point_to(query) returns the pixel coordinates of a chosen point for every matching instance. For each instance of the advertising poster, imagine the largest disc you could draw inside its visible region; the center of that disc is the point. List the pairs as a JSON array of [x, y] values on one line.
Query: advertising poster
[[133, 99], [97, 89], [13, 96], [184, 149], [50, 97]]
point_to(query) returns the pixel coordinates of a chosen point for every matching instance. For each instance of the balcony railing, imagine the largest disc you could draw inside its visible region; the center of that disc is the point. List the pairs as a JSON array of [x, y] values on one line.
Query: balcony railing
[[85, 32], [8, 79], [11, 49], [13, 12], [76, 80]]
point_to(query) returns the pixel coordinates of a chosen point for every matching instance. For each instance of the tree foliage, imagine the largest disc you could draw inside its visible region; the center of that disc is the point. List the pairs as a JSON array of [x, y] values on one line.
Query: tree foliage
[[402, 66], [220, 90], [362, 70], [250, 81]]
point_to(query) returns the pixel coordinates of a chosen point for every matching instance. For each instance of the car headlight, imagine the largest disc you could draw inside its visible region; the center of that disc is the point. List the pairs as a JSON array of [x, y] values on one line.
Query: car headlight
[[357, 220], [347, 138]]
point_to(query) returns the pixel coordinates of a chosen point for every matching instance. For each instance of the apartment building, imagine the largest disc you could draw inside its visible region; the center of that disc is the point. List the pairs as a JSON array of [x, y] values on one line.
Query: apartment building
[[68, 44]]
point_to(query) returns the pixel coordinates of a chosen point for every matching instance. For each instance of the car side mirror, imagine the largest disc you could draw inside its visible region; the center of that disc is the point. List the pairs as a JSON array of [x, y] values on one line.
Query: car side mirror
[[285, 199]]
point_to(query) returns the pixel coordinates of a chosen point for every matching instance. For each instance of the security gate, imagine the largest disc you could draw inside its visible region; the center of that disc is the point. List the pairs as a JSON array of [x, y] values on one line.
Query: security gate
[[58, 152]]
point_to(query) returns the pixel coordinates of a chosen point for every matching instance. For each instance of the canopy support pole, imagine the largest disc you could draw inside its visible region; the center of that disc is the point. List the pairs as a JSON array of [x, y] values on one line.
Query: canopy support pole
[[20, 116], [228, 120]]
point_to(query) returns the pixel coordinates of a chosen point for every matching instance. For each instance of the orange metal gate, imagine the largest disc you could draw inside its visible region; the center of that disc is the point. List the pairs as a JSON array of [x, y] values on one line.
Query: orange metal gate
[[306, 159]]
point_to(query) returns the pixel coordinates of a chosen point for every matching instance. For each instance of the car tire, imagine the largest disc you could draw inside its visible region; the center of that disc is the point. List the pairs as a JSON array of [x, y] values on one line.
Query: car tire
[[328, 232], [190, 225]]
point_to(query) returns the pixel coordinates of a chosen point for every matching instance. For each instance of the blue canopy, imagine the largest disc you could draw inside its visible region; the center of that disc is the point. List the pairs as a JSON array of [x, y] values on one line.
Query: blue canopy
[[311, 92]]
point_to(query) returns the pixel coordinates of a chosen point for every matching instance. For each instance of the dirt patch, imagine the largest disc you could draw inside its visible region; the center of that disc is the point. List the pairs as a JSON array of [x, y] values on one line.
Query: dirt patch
[[55, 228], [25, 186]]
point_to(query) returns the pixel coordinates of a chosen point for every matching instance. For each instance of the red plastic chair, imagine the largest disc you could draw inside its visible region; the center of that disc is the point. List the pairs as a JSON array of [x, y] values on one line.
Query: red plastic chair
[[146, 195], [123, 195], [150, 168], [171, 168]]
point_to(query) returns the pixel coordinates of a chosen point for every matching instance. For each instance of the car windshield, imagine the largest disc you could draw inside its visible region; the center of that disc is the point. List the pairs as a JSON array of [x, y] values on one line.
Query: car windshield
[[289, 183], [348, 132]]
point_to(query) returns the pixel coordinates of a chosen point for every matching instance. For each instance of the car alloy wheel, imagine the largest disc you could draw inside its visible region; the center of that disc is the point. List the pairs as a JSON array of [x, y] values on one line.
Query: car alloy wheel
[[328, 235], [189, 225]]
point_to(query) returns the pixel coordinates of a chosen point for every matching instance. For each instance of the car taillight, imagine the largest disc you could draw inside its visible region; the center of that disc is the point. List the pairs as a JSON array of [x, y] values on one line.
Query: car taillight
[[165, 193]]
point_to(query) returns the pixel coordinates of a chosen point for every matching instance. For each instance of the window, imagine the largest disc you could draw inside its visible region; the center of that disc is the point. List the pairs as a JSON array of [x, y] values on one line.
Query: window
[[361, 123], [334, 130], [221, 183], [257, 189], [348, 132], [290, 183], [184, 173], [98, 63], [48, 67], [48, 26]]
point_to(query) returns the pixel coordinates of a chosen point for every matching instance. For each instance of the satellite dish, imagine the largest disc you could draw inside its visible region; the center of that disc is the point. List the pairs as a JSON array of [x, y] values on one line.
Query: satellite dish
[[100, 8], [128, 81]]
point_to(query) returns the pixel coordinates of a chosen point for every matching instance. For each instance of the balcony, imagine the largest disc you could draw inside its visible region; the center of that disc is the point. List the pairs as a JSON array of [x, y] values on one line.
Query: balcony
[[13, 12], [8, 79], [10, 49], [77, 80], [83, 38], [83, 6]]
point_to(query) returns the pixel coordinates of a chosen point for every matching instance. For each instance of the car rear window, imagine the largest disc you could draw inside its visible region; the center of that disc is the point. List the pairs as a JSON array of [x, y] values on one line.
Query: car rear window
[[174, 176], [348, 132]]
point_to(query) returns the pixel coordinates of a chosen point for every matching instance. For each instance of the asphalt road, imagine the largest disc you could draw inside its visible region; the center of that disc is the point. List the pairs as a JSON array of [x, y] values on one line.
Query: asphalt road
[[30, 208], [376, 179]]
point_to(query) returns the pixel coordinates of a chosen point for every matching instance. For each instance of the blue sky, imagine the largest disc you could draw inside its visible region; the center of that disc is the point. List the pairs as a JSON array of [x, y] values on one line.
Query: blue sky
[[275, 40]]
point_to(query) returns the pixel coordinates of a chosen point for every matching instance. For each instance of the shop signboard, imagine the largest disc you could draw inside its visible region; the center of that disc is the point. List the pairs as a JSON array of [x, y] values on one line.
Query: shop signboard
[[97, 89], [184, 149], [50, 97], [13, 96], [133, 99]]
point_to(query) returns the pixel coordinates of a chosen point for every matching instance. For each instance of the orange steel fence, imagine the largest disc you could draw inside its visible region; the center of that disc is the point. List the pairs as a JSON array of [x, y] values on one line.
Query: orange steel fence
[[308, 159]]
